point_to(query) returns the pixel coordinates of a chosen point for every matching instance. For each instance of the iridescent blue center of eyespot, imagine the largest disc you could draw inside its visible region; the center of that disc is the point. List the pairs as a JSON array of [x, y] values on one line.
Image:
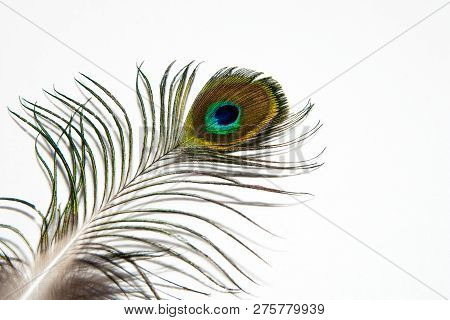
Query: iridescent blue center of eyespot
[[222, 117], [226, 114]]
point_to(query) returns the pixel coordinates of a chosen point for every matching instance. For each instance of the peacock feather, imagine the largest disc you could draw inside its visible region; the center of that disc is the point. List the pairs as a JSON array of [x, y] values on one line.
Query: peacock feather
[[116, 225]]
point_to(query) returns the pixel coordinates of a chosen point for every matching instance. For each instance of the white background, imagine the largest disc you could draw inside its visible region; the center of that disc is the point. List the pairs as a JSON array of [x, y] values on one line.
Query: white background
[[386, 178]]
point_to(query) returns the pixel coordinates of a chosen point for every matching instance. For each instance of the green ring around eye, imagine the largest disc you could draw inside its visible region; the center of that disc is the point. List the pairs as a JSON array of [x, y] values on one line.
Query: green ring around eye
[[222, 117]]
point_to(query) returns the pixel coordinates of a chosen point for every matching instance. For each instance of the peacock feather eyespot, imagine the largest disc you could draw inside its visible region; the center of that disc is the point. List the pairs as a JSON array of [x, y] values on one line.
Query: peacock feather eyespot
[[222, 117], [234, 108]]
